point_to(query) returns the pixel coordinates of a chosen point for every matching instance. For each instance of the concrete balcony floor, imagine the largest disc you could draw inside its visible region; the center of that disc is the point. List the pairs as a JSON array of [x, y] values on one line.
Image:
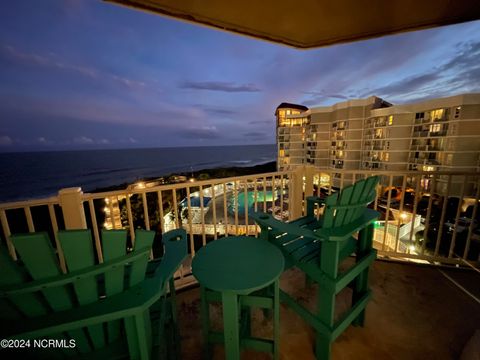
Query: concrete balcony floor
[[415, 313]]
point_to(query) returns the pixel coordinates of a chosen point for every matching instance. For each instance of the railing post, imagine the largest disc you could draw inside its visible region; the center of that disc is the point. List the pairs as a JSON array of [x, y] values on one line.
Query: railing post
[[309, 172], [295, 193], [71, 202]]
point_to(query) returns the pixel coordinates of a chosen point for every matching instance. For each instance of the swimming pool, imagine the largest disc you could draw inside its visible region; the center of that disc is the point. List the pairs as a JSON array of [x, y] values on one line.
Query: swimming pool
[[195, 201], [268, 196]]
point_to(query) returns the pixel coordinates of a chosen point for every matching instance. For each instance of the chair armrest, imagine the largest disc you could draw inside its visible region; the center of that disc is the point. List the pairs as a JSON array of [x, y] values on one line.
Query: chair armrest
[[60, 280], [122, 305], [176, 251], [267, 221]]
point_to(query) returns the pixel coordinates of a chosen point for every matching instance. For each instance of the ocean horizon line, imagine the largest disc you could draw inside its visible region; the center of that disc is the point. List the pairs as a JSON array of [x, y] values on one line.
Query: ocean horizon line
[[127, 148]]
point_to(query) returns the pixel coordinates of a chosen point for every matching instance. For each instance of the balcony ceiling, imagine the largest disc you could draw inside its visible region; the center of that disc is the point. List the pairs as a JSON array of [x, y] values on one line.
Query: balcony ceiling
[[314, 23]]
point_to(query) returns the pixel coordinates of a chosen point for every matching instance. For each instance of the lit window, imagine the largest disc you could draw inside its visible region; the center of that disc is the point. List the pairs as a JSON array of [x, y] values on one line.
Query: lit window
[[390, 120], [436, 114], [435, 127]]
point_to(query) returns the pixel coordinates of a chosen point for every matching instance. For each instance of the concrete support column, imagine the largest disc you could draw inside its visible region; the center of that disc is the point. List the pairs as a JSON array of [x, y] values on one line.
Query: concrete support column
[[72, 208]]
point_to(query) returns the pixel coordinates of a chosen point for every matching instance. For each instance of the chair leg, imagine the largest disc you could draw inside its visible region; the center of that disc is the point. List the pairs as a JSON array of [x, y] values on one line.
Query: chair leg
[[205, 317], [246, 316], [132, 336], [139, 336], [365, 240], [144, 333], [276, 320], [230, 326], [323, 348], [162, 324], [173, 309], [326, 313]]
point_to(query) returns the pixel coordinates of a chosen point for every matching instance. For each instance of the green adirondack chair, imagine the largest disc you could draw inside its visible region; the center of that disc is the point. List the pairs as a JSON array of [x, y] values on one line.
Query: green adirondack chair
[[105, 308], [317, 245]]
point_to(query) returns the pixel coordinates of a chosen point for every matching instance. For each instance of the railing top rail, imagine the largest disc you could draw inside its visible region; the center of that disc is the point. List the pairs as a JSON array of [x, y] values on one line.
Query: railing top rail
[[398, 172], [197, 183], [87, 196], [53, 200]]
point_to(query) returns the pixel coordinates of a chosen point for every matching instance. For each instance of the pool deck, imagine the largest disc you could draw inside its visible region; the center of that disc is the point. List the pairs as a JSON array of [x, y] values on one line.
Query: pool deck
[[415, 313]]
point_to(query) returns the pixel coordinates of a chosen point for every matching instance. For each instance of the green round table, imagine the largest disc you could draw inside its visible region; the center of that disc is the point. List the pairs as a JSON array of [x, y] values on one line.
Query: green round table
[[237, 266]]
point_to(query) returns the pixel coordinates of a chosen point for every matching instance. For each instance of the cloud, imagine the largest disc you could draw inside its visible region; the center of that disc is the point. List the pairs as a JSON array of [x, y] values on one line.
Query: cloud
[[405, 86], [83, 140], [324, 94], [44, 141], [460, 73], [52, 61], [217, 110], [202, 133], [318, 97], [101, 110], [219, 86], [5, 140], [262, 122]]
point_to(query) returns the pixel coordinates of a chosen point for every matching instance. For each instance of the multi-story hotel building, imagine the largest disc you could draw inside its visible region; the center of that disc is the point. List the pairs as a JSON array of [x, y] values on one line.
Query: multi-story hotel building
[[372, 134]]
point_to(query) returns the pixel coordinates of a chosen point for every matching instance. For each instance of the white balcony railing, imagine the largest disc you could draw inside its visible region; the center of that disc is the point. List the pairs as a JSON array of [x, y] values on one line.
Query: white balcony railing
[[425, 216]]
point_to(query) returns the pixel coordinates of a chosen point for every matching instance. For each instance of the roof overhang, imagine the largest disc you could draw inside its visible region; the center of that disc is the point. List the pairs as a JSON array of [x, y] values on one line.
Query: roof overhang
[[314, 23]]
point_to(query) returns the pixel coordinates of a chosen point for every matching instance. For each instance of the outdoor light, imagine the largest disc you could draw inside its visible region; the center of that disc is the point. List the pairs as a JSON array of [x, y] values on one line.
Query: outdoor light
[[412, 248], [140, 185], [191, 179], [403, 216]]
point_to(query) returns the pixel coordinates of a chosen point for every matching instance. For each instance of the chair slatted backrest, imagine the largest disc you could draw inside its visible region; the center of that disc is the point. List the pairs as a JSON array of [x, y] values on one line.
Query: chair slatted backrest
[[143, 240], [347, 206], [38, 257], [41, 262], [77, 246], [114, 245], [20, 305]]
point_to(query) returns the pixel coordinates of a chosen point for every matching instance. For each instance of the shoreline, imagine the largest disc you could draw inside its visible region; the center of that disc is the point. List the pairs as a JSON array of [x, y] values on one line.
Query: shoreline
[[203, 174]]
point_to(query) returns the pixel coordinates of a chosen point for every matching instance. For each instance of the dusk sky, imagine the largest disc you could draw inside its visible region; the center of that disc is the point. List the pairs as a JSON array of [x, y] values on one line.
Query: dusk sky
[[88, 74]]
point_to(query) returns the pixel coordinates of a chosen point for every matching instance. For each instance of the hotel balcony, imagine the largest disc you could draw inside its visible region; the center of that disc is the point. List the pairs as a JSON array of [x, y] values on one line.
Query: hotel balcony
[[425, 280]]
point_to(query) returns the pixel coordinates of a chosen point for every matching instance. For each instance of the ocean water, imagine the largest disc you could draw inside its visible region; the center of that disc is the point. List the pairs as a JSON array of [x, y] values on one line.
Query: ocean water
[[38, 174]]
